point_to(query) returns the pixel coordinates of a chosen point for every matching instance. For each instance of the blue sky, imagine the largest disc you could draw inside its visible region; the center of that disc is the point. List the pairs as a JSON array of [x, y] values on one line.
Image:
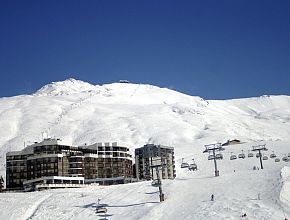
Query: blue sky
[[214, 49]]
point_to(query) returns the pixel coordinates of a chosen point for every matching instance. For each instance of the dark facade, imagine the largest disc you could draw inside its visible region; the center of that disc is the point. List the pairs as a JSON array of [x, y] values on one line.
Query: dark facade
[[150, 155], [106, 160], [16, 171], [52, 158]]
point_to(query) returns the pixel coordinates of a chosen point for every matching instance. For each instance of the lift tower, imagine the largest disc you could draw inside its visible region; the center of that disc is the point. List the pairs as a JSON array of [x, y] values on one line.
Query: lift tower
[[158, 165], [213, 148], [260, 148]]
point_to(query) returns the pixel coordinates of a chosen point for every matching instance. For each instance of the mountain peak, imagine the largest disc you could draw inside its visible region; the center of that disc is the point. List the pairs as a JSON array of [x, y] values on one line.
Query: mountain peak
[[65, 87]]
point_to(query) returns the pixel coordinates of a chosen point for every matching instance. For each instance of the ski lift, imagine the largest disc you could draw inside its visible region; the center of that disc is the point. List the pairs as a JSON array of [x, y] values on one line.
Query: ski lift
[[242, 155], [233, 157], [155, 183], [265, 157], [273, 155], [285, 158], [250, 154], [219, 156], [210, 157], [100, 208], [258, 155], [192, 166], [184, 164], [277, 160]]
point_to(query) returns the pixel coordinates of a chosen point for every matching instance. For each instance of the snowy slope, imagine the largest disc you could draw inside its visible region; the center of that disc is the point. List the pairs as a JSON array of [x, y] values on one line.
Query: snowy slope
[[136, 114]]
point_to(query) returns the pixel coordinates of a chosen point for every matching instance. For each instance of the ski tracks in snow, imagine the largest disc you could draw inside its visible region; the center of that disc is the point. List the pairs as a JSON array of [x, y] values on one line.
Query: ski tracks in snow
[[31, 211]]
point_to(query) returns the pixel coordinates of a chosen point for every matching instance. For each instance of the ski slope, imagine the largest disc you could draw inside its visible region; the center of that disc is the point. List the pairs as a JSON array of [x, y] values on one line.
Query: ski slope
[[136, 114], [261, 194]]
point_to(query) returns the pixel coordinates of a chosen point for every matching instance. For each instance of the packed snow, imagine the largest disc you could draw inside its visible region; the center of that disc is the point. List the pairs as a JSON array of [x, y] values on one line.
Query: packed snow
[[137, 114], [285, 191]]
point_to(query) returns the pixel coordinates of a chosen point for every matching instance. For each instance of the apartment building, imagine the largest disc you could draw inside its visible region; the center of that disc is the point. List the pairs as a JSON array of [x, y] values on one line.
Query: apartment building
[[53, 161], [107, 163], [150, 155]]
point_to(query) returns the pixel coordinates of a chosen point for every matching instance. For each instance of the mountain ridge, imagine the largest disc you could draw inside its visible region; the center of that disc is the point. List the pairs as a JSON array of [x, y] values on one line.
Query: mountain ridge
[[136, 114]]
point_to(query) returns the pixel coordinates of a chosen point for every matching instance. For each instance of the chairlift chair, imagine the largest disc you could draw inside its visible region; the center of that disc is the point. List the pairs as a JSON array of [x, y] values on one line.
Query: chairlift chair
[[250, 155], [265, 157], [101, 209], [285, 159], [288, 154], [242, 156], [192, 167], [272, 155], [184, 164], [258, 155], [219, 156], [210, 157], [233, 157], [277, 160]]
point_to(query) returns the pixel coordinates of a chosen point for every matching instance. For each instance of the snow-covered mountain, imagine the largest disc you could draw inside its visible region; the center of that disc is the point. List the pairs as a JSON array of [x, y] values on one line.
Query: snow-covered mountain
[[136, 114]]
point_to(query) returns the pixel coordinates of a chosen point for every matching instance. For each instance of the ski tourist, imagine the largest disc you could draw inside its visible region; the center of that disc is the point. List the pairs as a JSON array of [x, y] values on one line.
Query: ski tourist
[[244, 215]]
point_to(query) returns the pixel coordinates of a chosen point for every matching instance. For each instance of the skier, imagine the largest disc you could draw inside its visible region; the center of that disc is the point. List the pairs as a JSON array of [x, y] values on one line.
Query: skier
[[244, 215], [212, 197]]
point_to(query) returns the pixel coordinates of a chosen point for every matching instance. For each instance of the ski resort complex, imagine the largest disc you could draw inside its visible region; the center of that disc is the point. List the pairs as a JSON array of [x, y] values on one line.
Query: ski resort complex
[[52, 161]]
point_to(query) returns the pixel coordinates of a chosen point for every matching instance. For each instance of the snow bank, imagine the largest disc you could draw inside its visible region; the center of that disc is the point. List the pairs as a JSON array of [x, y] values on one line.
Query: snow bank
[[285, 190]]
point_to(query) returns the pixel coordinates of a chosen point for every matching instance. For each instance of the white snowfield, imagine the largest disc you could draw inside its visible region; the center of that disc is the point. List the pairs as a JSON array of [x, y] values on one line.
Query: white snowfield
[[285, 191], [136, 114]]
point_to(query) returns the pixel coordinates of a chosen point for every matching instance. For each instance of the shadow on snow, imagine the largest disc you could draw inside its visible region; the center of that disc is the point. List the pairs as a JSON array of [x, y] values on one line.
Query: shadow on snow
[[93, 205]]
